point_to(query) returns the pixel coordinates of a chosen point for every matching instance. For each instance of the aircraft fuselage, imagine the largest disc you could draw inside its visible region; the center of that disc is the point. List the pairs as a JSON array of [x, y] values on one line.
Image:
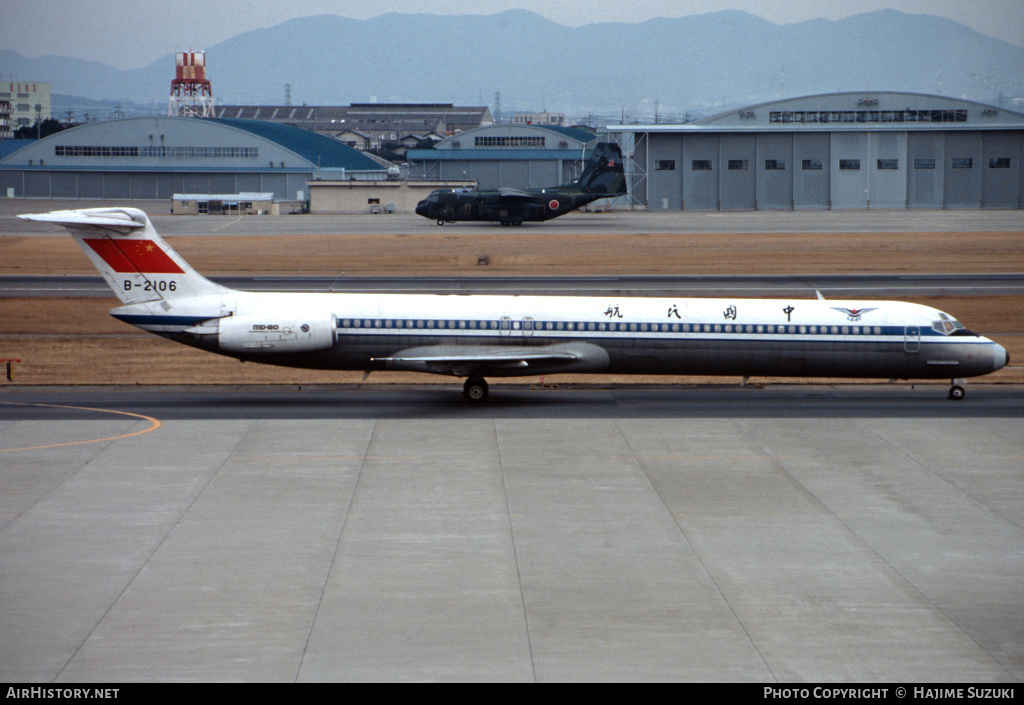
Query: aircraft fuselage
[[511, 336], [454, 335], [459, 204]]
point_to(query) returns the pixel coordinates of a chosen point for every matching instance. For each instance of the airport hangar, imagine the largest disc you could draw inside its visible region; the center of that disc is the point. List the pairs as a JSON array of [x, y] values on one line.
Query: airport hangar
[[839, 150], [515, 156], [157, 157]]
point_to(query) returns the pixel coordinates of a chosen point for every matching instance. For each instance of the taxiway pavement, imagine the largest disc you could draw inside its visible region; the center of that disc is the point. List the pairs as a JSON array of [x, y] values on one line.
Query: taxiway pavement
[[618, 222], [792, 533]]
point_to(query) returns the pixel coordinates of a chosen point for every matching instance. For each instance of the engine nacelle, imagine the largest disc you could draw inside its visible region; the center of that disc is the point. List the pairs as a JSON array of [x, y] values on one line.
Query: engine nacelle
[[272, 334]]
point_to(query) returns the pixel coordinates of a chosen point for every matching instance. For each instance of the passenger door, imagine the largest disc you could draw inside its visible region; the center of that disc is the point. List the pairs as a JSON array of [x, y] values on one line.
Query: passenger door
[[911, 340]]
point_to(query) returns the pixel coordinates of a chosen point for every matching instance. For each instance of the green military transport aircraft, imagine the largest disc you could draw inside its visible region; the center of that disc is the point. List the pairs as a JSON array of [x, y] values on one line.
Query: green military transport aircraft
[[603, 177]]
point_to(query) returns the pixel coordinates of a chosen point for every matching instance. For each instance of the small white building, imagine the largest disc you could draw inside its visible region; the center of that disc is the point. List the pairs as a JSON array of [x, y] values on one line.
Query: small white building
[[544, 118], [224, 204]]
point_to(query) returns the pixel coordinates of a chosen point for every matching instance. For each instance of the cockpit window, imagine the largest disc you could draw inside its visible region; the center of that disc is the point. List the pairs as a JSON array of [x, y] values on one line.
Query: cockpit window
[[947, 325]]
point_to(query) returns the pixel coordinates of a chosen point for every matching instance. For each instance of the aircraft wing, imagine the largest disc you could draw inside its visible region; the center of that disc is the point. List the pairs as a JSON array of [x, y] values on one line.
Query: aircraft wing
[[465, 359], [515, 194]]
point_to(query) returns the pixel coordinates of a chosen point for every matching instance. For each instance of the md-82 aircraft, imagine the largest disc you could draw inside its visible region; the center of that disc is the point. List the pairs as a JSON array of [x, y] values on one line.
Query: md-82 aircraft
[[602, 177], [510, 336]]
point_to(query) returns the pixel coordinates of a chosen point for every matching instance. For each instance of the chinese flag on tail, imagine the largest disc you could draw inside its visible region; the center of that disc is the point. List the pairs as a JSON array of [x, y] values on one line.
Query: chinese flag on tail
[[128, 256]]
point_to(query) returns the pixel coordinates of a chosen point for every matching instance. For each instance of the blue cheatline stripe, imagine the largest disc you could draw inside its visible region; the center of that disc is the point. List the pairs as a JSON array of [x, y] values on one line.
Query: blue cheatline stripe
[[155, 320], [855, 331]]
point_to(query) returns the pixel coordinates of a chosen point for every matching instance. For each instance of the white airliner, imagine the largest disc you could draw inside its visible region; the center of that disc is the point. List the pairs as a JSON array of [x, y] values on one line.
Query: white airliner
[[509, 336]]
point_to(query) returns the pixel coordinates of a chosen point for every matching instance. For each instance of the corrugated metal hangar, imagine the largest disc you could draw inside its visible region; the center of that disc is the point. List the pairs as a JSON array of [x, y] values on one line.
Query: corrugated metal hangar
[[154, 158], [514, 156], [840, 150]]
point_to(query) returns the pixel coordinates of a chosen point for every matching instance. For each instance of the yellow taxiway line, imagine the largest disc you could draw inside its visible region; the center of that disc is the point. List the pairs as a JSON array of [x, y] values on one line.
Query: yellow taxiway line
[[154, 425]]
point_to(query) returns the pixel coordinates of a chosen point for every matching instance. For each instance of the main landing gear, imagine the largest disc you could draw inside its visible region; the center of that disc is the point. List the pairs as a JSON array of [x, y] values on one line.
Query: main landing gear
[[956, 390], [475, 389]]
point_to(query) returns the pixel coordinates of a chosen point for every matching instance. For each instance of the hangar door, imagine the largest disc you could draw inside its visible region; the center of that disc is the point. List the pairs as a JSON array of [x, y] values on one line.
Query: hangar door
[[736, 172], [1000, 174], [775, 171], [700, 172], [811, 161], [665, 171], [925, 157], [962, 170], [886, 170], [850, 163]]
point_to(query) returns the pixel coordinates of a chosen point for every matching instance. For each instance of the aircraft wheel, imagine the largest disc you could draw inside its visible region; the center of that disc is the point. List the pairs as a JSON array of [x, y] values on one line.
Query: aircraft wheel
[[956, 392], [475, 389], [440, 221]]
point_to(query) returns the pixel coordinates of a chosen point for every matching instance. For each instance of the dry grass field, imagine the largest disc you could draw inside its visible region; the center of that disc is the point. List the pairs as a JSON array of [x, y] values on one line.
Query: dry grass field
[[74, 341], [535, 251]]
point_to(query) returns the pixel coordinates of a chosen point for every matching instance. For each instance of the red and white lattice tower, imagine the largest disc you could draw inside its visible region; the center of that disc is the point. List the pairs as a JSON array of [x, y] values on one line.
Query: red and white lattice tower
[[191, 95]]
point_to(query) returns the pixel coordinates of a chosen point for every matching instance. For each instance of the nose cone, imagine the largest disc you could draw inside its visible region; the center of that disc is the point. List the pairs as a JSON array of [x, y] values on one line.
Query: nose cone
[[421, 209], [1000, 358]]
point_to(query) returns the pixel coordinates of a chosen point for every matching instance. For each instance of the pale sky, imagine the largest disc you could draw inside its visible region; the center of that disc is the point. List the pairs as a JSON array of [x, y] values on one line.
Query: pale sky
[[133, 33]]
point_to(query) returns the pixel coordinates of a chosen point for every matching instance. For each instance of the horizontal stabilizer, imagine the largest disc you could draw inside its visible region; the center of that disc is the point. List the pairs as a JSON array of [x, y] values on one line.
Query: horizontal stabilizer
[[104, 219]]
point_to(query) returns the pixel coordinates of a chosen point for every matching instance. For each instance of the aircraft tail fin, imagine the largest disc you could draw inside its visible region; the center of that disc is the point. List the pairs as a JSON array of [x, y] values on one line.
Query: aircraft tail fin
[[137, 264], [604, 173]]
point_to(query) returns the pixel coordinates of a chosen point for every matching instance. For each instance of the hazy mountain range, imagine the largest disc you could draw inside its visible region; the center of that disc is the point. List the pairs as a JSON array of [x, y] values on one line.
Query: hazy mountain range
[[698, 64]]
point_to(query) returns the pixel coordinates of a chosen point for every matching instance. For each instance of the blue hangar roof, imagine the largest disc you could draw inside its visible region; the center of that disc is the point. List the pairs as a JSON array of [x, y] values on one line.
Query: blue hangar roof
[[318, 149]]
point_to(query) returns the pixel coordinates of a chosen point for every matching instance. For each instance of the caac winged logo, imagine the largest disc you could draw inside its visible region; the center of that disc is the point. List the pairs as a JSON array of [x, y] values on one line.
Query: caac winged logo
[[852, 314], [603, 177]]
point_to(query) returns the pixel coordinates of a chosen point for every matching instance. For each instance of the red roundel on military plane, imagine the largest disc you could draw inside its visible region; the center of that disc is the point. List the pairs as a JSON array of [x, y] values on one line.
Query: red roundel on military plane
[[553, 204]]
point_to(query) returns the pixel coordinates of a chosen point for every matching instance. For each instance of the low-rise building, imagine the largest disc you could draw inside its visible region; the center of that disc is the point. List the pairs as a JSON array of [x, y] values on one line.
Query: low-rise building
[[30, 103]]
